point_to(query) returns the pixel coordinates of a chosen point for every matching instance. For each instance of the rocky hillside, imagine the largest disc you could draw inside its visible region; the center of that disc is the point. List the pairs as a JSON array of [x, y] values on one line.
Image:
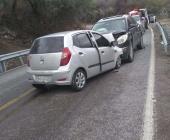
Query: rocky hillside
[[9, 42]]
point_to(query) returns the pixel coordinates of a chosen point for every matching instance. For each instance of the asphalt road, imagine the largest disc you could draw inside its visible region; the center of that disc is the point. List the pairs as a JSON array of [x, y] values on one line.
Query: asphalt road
[[111, 107]]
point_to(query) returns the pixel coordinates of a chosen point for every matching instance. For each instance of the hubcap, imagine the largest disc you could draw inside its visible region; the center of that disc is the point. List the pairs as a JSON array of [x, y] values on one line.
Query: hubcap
[[80, 79]]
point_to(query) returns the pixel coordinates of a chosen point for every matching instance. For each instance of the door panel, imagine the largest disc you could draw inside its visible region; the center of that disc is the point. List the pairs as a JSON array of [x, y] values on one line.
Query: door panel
[[107, 58], [90, 59], [87, 53], [106, 52]]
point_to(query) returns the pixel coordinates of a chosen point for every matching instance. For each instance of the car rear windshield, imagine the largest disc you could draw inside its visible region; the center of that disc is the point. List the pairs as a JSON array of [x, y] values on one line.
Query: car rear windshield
[[116, 25], [47, 45]]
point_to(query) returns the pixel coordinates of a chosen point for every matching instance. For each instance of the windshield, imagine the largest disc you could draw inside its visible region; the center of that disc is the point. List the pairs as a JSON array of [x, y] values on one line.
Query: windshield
[[47, 45], [137, 18], [105, 27]]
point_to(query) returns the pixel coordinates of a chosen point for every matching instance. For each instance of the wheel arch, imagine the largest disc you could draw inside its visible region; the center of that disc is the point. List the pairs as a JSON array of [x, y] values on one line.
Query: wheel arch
[[73, 84], [82, 68]]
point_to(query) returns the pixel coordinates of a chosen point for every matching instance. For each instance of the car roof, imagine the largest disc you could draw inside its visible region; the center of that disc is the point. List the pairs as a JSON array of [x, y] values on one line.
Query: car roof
[[64, 33], [113, 17]]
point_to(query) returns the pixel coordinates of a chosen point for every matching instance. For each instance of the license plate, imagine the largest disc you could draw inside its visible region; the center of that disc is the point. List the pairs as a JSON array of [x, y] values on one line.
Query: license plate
[[42, 79]]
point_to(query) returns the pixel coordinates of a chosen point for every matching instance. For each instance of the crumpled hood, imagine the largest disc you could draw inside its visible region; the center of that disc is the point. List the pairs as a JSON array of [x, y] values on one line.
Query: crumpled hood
[[109, 37], [118, 34]]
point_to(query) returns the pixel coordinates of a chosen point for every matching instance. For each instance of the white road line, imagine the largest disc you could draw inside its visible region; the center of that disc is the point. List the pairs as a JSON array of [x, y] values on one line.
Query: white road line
[[148, 128]]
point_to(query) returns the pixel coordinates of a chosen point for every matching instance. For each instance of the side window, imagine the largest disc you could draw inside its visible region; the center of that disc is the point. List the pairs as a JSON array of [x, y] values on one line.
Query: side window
[[75, 41], [82, 41], [133, 21], [100, 40]]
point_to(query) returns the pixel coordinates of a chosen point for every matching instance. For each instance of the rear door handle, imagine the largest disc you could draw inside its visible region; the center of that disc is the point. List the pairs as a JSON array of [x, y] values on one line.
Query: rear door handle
[[102, 51], [81, 53]]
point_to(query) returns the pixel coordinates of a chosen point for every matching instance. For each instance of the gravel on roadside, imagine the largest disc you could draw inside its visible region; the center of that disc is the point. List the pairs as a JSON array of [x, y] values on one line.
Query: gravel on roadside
[[162, 90]]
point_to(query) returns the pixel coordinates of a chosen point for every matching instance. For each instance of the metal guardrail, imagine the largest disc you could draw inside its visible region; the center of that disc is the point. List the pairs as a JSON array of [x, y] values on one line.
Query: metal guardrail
[[165, 36], [6, 57]]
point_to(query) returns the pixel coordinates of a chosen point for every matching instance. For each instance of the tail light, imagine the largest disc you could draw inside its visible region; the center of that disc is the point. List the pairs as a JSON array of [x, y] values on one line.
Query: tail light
[[65, 58]]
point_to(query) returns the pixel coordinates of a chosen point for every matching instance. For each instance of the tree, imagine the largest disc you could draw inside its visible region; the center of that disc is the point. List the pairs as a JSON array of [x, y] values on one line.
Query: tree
[[121, 6]]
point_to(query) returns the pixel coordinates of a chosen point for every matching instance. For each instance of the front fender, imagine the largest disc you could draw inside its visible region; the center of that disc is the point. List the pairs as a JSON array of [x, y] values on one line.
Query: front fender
[[118, 51]]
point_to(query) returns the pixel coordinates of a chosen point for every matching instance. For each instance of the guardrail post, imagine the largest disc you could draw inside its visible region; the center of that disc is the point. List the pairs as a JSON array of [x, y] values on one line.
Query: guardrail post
[[21, 60], [5, 57], [164, 36], [2, 67]]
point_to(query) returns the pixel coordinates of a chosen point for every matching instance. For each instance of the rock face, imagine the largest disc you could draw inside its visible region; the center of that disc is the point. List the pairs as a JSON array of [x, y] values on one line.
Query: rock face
[[11, 42], [7, 34]]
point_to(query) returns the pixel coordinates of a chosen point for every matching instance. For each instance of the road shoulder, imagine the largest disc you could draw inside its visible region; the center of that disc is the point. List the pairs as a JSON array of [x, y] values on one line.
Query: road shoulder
[[162, 91]]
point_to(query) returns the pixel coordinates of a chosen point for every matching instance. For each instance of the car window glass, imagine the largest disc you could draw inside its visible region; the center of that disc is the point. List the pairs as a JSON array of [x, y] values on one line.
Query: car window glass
[[131, 22], [47, 45], [136, 18], [114, 25], [75, 41], [100, 40], [82, 41]]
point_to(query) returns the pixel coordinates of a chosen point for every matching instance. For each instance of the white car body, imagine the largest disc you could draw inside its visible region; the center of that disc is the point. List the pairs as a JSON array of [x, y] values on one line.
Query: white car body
[[45, 68]]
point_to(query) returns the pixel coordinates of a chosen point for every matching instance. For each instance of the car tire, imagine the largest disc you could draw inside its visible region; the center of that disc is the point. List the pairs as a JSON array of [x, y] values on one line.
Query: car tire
[[141, 44], [131, 53], [39, 86], [79, 80], [118, 62]]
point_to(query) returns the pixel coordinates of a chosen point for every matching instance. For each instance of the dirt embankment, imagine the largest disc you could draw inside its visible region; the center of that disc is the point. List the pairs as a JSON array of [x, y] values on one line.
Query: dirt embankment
[[8, 45], [10, 41], [165, 21], [162, 89]]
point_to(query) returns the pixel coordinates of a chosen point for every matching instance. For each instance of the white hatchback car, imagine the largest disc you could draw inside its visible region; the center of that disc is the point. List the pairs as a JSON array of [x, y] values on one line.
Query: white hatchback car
[[70, 58]]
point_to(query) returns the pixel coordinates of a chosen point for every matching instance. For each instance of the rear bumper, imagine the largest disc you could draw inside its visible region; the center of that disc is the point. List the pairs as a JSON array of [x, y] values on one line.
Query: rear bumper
[[58, 77]]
